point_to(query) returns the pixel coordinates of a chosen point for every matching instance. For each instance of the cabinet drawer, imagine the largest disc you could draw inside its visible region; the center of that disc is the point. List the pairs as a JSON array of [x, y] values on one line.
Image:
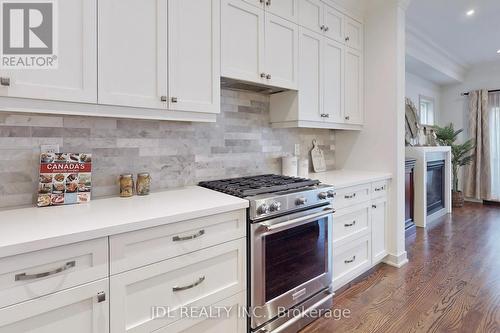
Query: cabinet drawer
[[31, 275], [351, 260], [197, 279], [75, 310], [144, 247], [349, 196], [379, 189], [232, 322], [351, 223]]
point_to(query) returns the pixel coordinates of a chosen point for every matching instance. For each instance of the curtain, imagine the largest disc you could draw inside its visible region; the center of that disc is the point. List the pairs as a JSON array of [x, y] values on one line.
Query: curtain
[[494, 114], [478, 173]]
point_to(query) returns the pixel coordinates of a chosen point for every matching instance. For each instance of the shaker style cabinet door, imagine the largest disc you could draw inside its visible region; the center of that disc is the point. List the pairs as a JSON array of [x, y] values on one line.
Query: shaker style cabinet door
[[75, 78], [282, 51], [84, 309], [353, 87], [310, 83], [378, 216], [132, 53], [194, 55], [242, 31], [334, 24], [333, 71], [287, 9], [311, 14], [353, 34]]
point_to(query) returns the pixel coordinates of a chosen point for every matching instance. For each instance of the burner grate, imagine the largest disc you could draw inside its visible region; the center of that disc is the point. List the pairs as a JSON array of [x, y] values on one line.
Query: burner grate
[[249, 186]]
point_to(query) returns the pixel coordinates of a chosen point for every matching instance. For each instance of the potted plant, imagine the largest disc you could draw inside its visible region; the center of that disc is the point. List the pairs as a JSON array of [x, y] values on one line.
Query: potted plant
[[461, 155]]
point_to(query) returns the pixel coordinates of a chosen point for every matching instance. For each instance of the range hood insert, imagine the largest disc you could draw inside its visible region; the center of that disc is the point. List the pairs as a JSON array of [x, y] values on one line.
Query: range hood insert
[[232, 84]]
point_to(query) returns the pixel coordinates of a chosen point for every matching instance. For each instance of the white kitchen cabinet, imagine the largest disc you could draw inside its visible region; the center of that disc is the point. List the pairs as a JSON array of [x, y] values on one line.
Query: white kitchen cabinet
[[287, 9], [194, 55], [133, 57], [353, 33], [258, 46], [379, 229], [334, 23], [242, 31], [196, 279], [83, 309], [311, 14], [310, 82], [333, 73], [233, 322], [75, 78], [281, 52], [354, 87]]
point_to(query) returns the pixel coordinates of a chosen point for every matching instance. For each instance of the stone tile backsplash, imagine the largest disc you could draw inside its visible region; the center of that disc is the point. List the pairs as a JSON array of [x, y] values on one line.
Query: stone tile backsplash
[[240, 143]]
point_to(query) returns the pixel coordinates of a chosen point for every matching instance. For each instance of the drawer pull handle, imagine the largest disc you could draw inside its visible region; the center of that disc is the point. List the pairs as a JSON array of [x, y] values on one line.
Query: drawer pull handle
[[200, 280], [101, 297], [374, 206], [350, 224], [351, 260], [378, 189], [5, 81], [185, 238], [25, 277], [351, 196]]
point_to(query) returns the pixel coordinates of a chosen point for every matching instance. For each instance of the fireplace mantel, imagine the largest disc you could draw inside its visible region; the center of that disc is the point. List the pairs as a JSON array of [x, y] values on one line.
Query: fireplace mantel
[[424, 155]]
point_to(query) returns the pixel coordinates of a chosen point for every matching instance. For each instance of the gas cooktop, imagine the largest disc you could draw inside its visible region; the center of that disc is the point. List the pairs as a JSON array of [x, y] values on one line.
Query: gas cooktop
[[250, 186]]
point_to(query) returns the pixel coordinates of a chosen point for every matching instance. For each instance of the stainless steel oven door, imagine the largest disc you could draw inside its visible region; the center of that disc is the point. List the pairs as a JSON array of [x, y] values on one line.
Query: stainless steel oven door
[[291, 261]]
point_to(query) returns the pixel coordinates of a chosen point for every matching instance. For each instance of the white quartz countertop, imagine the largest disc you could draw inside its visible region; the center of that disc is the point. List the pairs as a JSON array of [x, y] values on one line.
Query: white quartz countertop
[[31, 229], [346, 178]]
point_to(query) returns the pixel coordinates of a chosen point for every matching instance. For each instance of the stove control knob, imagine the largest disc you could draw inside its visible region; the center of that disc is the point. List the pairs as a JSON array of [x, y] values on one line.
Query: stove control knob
[[301, 201], [263, 209], [322, 195], [331, 193], [275, 206]]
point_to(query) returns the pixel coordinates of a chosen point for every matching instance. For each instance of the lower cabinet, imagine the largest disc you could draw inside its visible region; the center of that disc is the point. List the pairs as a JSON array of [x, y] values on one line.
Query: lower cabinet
[[379, 229], [197, 279], [225, 316], [84, 309]]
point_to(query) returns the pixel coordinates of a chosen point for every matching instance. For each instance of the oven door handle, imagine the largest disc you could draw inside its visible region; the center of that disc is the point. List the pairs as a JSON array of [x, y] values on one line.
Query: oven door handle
[[273, 227]]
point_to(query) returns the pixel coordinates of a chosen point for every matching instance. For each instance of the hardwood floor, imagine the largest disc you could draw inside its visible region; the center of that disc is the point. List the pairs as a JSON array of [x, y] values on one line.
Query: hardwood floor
[[452, 283]]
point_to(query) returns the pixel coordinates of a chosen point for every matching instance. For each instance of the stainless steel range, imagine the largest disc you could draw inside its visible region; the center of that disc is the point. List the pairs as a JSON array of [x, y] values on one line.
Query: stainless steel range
[[290, 248]]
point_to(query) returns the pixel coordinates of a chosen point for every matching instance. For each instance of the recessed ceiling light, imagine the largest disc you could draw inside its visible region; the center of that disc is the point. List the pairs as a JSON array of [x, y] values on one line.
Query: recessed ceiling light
[[498, 51], [471, 12]]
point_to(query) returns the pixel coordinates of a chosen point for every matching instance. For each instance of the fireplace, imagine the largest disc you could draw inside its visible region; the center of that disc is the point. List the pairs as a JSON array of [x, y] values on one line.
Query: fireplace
[[435, 186]]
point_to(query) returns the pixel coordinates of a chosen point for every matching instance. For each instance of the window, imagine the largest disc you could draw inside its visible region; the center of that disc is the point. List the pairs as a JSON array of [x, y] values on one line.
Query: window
[[426, 110], [494, 116]]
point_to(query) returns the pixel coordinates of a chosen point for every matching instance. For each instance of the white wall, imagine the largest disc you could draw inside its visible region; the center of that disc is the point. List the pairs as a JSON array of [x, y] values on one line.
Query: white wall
[[380, 145], [416, 86]]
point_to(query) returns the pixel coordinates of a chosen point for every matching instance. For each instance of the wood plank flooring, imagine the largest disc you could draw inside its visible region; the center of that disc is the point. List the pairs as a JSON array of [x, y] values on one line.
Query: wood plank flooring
[[451, 284]]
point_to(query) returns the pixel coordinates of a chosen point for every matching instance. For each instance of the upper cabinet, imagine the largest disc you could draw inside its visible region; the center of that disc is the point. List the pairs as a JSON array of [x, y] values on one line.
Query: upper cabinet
[[258, 46], [133, 70], [353, 34], [169, 60], [75, 78], [287, 9], [354, 87]]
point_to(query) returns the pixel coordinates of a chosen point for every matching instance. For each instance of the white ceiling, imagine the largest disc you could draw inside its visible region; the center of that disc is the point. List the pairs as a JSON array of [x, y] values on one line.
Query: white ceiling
[[470, 39]]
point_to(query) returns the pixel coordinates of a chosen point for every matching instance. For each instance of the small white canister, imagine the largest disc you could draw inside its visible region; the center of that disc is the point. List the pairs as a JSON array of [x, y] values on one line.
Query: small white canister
[[304, 168], [289, 166]]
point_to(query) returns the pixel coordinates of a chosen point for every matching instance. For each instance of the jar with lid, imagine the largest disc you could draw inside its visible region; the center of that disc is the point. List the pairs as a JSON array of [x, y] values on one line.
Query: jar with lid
[[143, 184], [126, 185]]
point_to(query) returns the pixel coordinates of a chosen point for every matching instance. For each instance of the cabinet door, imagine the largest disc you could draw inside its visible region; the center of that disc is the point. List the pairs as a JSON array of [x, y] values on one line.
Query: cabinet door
[[76, 310], [378, 217], [242, 31], [282, 39], [193, 53], [287, 9], [311, 14], [333, 71], [353, 87], [310, 103], [132, 57], [334, 24], [75, 79], [353, 34]]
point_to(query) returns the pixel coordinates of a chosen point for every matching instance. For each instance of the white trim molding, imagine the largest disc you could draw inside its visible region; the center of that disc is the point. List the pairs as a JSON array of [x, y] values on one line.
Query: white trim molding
[[397, 261]]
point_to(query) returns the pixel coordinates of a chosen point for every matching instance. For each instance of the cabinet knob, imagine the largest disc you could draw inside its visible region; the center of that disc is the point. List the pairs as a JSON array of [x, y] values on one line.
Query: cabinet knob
[[163, 98], [327, 28], [5, 81], [268, 76], [174, 100], [347, 117], [347, 39], [268, 3], [322, 28], [263, 75]]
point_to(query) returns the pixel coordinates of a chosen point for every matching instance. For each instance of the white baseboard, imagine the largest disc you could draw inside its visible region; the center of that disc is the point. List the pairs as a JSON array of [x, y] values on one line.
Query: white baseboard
[[397, 261]]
